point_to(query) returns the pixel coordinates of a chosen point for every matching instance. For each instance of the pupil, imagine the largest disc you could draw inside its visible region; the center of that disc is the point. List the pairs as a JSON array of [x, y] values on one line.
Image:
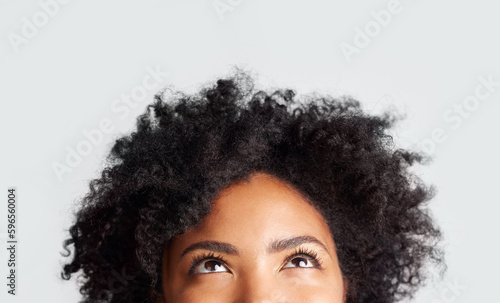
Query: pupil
[[299, 262], [212, 265]]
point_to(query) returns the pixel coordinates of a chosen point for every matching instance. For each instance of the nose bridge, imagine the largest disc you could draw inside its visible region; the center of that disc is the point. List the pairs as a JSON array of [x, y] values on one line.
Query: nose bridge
[[259, 286], [256, 289]]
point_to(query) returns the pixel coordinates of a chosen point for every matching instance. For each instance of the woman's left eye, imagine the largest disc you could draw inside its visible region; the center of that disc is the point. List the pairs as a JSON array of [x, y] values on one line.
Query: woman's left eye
[[299, 262]]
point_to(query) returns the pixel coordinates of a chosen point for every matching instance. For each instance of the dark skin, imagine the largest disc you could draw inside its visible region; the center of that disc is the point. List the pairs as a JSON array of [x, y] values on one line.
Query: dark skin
[[262, 242], [154, 199]]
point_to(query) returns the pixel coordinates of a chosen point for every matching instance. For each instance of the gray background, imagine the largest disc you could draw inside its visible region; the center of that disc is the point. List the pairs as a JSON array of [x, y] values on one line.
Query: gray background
[[75, 67]]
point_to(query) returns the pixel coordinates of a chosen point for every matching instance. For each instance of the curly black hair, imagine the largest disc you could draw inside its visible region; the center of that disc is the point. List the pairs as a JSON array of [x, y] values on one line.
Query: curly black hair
[[160, 180]]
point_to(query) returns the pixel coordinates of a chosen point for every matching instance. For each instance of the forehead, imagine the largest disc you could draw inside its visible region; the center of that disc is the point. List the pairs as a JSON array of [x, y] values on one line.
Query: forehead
[[257, 212]]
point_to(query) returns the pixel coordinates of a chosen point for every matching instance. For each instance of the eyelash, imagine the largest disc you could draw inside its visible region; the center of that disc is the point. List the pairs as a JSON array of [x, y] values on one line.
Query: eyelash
[[311, 255], [197, 260]]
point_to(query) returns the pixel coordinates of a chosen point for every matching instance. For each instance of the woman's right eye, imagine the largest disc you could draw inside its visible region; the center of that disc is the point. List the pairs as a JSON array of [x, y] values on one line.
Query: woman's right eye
[[210, 266]]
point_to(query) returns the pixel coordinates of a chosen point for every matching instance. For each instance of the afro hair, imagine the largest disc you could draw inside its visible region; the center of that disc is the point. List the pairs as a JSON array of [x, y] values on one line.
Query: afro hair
[[160, 180]]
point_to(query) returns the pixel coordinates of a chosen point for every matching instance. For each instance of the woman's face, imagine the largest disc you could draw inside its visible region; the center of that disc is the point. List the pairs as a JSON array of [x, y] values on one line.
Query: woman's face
[[262, 242]]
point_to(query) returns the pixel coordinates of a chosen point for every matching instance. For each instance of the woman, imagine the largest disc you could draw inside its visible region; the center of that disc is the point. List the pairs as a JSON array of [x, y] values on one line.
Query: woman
[[232, 195]]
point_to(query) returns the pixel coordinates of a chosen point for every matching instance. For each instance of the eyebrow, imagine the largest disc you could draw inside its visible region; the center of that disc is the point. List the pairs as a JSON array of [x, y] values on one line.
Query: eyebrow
[[215, 246], [292, 242], [274, 247]]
